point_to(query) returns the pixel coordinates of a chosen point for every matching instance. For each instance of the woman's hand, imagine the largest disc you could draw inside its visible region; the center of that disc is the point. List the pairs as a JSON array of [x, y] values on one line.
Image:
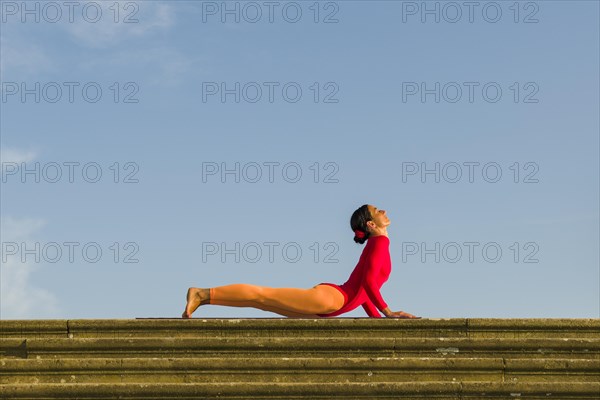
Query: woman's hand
[[401, 314]]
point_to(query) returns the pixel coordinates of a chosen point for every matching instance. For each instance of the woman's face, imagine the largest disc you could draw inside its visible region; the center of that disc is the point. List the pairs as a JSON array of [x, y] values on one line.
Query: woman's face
[[379, 217]]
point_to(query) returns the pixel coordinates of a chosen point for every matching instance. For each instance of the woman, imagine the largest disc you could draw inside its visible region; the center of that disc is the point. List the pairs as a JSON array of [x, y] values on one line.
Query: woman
[[324, 299]]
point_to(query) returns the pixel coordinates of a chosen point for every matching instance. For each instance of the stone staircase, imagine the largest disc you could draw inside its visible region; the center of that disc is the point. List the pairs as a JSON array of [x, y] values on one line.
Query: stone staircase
[[287, 358]]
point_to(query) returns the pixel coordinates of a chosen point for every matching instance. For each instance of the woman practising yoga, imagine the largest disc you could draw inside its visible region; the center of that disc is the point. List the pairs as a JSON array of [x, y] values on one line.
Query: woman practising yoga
[[325, 299]]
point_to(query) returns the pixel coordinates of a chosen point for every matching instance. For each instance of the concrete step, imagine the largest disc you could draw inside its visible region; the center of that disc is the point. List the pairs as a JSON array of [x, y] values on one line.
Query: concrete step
[[302, 347], [297, 369], [283, 358], [292, 327], [275, 390]]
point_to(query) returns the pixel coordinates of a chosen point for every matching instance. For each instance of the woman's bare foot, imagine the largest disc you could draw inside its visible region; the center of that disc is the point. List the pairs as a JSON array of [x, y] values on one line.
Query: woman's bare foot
[[195, 297]]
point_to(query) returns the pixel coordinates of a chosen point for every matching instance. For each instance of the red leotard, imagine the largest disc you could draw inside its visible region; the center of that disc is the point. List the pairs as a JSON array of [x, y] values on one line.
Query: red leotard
[[372, 271]]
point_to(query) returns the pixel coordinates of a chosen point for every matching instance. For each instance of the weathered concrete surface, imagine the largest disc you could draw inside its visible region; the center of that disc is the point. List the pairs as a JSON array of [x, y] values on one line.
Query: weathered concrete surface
[[297, 369], [303, 346], [279, 327], [403, 390], [345, 358]]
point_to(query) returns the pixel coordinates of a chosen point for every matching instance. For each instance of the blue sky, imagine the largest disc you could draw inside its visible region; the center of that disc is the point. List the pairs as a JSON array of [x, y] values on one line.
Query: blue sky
[[356, 122]]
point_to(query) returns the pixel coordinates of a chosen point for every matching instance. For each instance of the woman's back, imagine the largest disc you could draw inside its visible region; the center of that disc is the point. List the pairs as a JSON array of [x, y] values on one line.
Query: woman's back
[[371, 272]]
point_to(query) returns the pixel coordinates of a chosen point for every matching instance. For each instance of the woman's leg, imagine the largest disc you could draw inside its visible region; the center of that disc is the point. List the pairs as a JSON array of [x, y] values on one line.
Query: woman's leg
[[320, 299], [286, 313]]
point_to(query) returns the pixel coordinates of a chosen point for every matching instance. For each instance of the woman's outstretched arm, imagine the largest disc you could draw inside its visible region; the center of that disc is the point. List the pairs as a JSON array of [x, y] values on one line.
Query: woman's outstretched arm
[[372, 311]]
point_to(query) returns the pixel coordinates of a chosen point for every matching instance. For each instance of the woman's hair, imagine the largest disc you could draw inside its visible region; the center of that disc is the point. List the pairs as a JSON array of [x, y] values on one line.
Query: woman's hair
[[359, 221]]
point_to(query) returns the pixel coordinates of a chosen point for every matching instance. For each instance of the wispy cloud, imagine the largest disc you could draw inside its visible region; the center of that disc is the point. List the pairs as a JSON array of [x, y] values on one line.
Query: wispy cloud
[[152, 17], [19, 298], [13, 155], [110, 45], [21, 57], [157, 64]]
